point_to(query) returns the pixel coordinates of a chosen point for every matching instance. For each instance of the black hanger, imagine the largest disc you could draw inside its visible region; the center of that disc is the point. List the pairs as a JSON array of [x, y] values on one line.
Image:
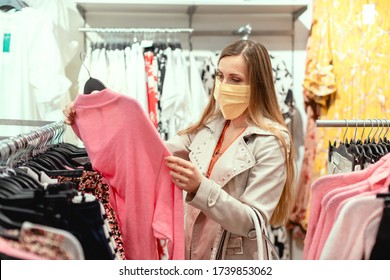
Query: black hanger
[[25, 180], [73, 150], [355, 148], [66, 155], [41, 163], [9, 187], [341, 149], [47, 207], [55, 173], [64, 159], [373, 150], [92, 84], [7, 223], [12, 4], [18, 182], [381, 143], [56, 162]]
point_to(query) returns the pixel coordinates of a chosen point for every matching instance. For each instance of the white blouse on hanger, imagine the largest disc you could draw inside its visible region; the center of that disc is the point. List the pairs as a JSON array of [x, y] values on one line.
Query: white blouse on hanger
[[33, 84]]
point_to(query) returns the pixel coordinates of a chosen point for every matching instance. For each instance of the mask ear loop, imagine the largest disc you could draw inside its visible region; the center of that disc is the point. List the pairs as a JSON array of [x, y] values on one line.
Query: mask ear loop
[[215, 94]]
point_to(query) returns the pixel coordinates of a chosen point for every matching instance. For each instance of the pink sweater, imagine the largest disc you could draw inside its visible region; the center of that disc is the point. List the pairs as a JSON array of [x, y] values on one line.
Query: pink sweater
[[125, 147], [353, 234], [319, 189], [334, 202]]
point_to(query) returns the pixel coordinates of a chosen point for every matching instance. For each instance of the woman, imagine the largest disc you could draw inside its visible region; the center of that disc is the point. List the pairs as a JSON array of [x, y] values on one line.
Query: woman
[[237, 157]]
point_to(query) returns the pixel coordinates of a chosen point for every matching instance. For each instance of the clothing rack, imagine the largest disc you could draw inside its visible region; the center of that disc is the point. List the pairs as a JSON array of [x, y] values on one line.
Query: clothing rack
[[136, 30], [353, 123], [242, 31], [30, 143], [118, 30], [18, 122], [24, 122]]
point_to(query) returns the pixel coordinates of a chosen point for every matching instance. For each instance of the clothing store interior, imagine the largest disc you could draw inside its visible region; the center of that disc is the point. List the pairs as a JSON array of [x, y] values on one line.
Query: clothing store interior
[[330, 67]]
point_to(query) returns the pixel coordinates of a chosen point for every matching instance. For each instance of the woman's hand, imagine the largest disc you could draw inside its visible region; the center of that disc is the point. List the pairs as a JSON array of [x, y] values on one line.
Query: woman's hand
[[184, 174], [70, 113]]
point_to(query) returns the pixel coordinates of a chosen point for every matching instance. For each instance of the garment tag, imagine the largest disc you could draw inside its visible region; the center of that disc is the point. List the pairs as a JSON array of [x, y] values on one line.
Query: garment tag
[[6, 42], [369, 13]]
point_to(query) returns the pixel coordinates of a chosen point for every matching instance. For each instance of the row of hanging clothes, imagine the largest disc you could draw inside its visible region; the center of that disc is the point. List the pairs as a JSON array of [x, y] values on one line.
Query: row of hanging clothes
[[149, 65], [33, 82], [52, 204], [350, 207]]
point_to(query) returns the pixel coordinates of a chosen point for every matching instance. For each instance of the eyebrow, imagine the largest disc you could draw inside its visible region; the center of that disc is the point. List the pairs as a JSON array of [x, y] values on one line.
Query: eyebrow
[[230, 74]]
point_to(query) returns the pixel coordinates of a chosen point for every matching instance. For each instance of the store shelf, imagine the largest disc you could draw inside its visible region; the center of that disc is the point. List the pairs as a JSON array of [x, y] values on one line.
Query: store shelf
[[195, 6], [207, 17]]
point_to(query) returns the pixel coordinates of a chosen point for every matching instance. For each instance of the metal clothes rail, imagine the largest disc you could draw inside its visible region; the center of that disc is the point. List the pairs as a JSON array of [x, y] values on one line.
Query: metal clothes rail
[[136, 30], [242, 31], [17, 122], [31, 143], [354, 123]]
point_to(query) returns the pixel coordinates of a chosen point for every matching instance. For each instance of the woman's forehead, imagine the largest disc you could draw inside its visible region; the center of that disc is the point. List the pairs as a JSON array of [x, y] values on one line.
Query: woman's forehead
[[233, 64]]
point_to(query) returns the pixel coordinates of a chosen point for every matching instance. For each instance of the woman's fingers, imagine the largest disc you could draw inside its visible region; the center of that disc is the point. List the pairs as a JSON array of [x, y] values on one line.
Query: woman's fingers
[[178, 177], [184, 173], [178, 173], [70, 113], [179, 169], [179, 161]]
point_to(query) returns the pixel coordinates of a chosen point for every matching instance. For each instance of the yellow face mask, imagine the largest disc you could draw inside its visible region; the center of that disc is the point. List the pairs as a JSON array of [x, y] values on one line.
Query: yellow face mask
[[232, 99]]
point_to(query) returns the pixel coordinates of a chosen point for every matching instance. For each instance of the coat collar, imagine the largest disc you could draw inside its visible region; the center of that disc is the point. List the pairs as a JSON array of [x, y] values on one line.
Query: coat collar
[[236, 159], [216, 125]]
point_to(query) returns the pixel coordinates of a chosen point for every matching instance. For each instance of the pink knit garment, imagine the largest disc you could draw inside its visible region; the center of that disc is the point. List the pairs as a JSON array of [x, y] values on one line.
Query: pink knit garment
[[124, 146], [319, 189]]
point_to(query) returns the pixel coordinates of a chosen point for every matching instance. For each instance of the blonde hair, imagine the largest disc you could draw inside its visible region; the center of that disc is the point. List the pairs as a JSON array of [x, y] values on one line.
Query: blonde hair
[[263, 104]]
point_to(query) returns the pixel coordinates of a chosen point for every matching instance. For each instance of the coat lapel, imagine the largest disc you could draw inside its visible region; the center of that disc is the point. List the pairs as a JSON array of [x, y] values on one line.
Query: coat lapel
[[236, 159], [203, 145]]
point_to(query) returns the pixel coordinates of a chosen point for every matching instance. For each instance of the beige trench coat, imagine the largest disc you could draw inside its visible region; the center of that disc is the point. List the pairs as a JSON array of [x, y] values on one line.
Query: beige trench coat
[[251, 172]]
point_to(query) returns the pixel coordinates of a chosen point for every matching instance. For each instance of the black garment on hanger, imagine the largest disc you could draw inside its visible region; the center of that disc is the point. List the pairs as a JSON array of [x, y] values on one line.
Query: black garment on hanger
[[381, 249], [86, 224]]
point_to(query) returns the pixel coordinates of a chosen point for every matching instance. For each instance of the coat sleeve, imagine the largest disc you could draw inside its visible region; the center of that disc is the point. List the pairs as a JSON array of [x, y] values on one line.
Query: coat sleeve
[[179, 145], [264, 186]]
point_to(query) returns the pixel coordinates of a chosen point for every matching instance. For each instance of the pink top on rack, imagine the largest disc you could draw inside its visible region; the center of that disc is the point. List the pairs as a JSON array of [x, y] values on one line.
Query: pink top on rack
[[334, 199], [354, 232], [319, 189], [124, 146]]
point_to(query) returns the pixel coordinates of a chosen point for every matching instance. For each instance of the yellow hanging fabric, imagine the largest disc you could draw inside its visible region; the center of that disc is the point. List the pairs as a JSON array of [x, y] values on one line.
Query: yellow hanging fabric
[[347, 69]]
